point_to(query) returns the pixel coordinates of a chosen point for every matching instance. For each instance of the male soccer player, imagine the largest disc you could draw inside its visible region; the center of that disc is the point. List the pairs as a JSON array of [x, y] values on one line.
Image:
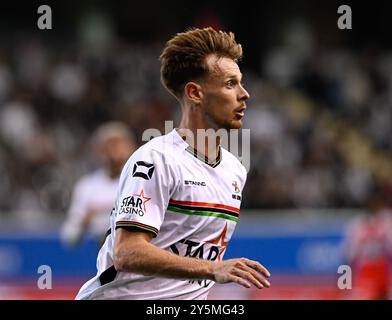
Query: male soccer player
[[178, 201], [94, 194]]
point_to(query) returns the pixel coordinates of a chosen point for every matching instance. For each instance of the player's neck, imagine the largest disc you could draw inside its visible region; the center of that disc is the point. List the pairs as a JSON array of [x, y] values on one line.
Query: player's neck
[[196, 133]]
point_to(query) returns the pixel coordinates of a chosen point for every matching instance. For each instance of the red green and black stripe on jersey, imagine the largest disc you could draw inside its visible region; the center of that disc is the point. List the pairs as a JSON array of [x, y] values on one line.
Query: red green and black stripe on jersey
[[136, 225], [204, 209]]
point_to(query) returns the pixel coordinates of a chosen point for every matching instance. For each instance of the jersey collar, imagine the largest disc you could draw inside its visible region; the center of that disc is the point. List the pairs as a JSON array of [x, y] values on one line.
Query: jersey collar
[[198, 155]]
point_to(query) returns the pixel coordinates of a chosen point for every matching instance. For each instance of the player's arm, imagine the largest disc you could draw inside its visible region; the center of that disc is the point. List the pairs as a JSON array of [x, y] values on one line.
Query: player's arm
[[133, 252], [73, 228]]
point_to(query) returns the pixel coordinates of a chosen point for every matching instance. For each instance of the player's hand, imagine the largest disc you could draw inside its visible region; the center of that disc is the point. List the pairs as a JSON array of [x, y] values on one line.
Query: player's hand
[[242, 271]]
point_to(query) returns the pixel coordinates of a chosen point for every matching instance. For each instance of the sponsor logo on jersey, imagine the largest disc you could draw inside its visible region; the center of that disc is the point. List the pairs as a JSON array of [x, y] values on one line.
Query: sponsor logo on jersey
[[236, 195], [135, 204], [143, 170], [209, 250], [195, 183]]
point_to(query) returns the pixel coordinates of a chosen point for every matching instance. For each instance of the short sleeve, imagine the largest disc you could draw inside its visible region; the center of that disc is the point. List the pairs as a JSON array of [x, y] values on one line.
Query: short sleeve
[[144, 191]]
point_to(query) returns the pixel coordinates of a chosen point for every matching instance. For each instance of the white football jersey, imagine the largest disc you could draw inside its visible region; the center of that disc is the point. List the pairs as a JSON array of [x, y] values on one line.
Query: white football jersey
[[94, 195], [191, 206]]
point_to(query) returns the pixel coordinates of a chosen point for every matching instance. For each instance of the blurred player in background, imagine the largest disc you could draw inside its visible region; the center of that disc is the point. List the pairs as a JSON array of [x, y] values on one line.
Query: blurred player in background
[[369, 249], [94, 194], [179, 201]]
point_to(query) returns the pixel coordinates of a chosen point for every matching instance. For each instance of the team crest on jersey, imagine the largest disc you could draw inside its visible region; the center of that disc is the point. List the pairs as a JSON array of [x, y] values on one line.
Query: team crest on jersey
[[143, 170], [135, 204], [236, 192]]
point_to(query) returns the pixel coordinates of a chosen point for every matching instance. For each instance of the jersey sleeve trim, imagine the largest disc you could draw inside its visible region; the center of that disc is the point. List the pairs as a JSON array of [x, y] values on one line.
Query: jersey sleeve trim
[[137, 225]]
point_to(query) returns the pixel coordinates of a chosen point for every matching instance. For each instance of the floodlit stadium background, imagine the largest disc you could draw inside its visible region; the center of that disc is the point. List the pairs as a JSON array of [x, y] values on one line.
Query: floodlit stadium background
[[320, 117]]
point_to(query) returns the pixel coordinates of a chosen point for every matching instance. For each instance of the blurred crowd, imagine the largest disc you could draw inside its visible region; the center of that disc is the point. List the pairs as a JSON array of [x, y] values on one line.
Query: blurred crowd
[[320, 119], [321, 124]]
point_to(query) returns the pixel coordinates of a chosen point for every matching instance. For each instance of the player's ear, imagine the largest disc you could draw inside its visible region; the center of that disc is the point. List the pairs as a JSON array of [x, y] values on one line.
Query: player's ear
[[193, 92]]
